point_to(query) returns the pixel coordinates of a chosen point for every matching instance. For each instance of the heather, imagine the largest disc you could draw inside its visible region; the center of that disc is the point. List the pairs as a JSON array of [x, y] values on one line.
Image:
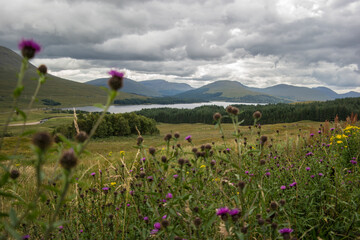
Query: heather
[[243, 183]]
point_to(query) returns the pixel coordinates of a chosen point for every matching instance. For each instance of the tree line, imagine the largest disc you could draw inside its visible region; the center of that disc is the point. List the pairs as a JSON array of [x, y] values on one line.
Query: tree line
[[271, 113], [120, 124]]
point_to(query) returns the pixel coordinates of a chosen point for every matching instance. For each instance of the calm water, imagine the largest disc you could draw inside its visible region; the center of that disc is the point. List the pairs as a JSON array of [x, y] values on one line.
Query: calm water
[[132, 108]]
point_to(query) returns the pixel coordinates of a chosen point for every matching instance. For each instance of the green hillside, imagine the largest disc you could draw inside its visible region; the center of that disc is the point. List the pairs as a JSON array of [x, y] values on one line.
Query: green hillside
[[131, 86], [67, 93], [166, 88], [228, 91]]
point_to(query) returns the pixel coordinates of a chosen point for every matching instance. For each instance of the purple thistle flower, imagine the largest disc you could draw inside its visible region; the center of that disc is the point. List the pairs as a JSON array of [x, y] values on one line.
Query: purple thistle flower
[[246, 172], [26, 237], [105, 188], [332, 129], [93, 174], [312, 176], [234, 211], [157, 225], [81, 231], [311, 134], [150, 178], [61, 227], [222, 211], [267, 173], [188, 138], [115, 73], [283, 187], [175, 176], [29, 48], [307, 169], [293, 184], [169, 196], [146, 219], [285, 230], [154, 231], [310, 154], [353, 162], [164, 217], [320, 174]]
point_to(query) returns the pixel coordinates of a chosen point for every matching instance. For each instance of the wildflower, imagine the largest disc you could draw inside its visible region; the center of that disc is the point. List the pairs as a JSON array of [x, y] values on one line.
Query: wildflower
[[164, 217], [311, 134], [309, 154], [150, 178], [26, 237], [61, 227], [93, 174], [81, 231], [116, 80], [42, 140], [267, 173], [293, 184], [285, 232], [105, 189], [157, 225], [29, 48], [307, 169], [312, 176], [175, 176], [353, 162], [283, 187], [202, 166], [68, 159], [320, 174], [146, 219], [223, 213], [169, 196], [113, 183], [188, 138]]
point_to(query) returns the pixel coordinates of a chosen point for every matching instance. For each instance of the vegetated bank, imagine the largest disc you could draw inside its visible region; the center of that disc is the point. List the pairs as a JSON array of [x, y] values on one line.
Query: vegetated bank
[[271, 113], [121, 124]]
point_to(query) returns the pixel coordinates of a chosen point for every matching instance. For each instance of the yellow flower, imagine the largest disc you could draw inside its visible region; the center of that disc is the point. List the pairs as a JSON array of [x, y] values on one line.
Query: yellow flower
[[202, 166], [17, 165], [113, 183], [238, 193], [110, 153], [122, 153], [339, 142], [187, 172]]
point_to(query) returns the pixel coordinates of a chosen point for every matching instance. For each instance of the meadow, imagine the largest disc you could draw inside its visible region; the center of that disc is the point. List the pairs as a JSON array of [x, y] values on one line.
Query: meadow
[[192, 181]]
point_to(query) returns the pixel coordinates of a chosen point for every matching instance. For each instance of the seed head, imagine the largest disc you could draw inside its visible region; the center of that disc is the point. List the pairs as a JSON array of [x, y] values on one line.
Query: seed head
[[263, 140], [68, 159], [177, 135], [42, 140], [282, 202], [235, 111], [116, 80], [241, 185], [229, 109], [165, 223], [163, 159], [181, 161]]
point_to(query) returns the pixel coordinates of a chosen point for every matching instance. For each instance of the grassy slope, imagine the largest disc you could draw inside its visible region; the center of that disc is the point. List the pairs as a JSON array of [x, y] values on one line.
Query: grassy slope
[[68, 93]]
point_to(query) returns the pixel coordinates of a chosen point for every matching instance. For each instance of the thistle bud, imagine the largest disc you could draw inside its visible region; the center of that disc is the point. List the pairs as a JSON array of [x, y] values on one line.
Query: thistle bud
[[42, 69], [68, 159], [81, 136], [217, 116], [14, 174], [257, 115], [42, 140], [29, 48], [152, 151]]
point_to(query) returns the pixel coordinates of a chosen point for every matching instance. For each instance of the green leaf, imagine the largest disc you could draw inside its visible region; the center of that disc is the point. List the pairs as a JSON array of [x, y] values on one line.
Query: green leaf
[[28, 132], [22, 113], [4, 179], [13, 217], [9, 195], [17, 92], [12, 231], [99, 105], [3, 214]]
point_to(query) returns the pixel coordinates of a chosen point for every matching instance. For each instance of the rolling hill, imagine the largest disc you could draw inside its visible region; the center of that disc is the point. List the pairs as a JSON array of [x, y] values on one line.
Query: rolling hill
[[228, 91], [130, 86], [67, 93], [166, 88]]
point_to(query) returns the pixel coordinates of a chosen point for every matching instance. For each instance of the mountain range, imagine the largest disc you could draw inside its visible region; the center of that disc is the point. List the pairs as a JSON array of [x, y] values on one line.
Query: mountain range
[[67, 93]]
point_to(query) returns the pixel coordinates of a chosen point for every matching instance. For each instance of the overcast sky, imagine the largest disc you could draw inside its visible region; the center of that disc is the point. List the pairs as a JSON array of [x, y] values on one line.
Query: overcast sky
[[259, 43]]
